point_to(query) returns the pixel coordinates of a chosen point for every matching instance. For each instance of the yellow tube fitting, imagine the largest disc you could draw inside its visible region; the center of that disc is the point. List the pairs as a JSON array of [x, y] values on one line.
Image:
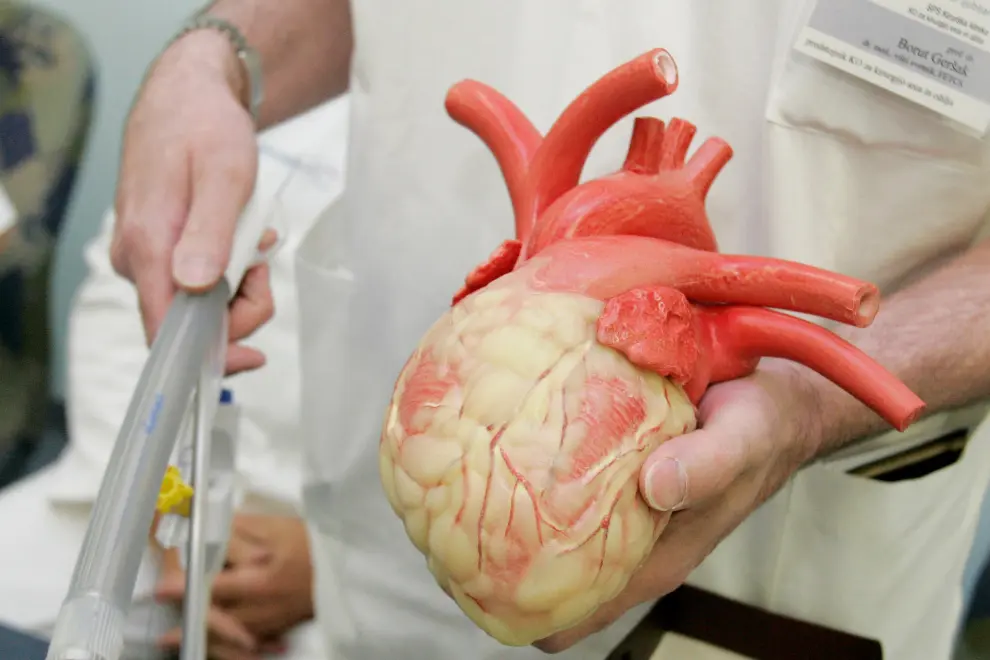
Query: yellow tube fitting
[[175, 495]]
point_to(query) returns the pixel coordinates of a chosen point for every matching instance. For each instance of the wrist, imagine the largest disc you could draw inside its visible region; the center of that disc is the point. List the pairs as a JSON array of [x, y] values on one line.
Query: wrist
[[835, 417], [210, 52], [801, 401]]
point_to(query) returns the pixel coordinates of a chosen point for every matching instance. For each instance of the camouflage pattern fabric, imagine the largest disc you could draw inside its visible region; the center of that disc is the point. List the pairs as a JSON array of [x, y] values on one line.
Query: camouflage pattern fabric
[[47, 85]]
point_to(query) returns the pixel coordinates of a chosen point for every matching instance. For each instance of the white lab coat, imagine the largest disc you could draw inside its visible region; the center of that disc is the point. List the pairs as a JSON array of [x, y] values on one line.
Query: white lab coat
[[848, 180], [300, 172]]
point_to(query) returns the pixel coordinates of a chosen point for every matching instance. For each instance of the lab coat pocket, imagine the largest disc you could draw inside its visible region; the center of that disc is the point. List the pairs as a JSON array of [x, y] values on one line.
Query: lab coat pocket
[[862, 181], [883, 559], [812, 96]]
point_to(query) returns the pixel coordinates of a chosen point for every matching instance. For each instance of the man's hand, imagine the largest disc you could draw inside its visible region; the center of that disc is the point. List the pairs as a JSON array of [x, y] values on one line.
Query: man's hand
[[190, 155], [754, 434], [227, 638], [272, 597], [263, 592], [188, 168]]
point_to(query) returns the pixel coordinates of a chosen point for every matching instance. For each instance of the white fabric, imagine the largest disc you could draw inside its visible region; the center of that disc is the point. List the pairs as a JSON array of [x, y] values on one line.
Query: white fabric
[[301, 171], [840, 179], [8, 215]]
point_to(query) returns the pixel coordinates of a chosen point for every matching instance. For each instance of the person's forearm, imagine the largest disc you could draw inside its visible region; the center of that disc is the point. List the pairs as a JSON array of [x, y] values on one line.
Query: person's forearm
[[305, 48], [934, 335]]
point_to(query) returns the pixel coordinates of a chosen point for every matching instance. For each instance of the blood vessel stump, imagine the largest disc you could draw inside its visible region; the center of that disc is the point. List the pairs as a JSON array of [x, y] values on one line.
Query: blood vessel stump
[[512, 447]]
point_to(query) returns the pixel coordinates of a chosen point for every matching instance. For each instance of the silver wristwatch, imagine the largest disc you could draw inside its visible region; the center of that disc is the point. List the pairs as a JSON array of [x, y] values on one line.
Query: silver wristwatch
[[245, 53]]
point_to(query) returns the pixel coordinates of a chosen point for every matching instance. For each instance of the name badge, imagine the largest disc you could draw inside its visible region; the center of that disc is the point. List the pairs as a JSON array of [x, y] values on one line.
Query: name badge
[[933, 53]]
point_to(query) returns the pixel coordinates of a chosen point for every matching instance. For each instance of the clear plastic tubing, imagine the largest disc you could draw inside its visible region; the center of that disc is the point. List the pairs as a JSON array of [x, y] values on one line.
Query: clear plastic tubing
[[91, 622]]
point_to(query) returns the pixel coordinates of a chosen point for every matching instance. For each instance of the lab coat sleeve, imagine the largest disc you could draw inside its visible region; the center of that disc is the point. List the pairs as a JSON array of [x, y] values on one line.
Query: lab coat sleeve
[[7, 213], [106, 353]]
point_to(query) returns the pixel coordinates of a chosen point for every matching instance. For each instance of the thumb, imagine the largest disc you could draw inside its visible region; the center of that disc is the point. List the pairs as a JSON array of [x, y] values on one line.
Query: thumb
[[691, 469], [688, 470], [223, 180]]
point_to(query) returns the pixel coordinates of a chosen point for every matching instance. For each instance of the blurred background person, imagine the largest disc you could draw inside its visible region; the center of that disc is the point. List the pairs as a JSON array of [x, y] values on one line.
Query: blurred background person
[[47, 83]]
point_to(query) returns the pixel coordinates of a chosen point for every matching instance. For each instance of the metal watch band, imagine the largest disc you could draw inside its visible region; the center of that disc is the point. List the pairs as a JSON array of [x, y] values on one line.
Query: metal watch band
[[245, 53]]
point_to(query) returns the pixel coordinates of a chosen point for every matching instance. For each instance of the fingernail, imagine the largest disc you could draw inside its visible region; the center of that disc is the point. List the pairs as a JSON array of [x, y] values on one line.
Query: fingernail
[[195, 271], [666, 485]]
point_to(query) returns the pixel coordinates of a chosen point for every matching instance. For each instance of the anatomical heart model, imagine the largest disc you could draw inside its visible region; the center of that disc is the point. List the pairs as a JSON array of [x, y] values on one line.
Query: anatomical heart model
[[516, 433]]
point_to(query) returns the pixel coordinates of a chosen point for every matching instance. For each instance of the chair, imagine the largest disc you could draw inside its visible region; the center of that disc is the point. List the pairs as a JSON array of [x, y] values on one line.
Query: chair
[[47, 86]]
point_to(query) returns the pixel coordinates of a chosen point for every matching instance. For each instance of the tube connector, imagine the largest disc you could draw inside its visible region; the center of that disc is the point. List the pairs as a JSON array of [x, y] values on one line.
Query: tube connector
[[175, 496], [88, 628]]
